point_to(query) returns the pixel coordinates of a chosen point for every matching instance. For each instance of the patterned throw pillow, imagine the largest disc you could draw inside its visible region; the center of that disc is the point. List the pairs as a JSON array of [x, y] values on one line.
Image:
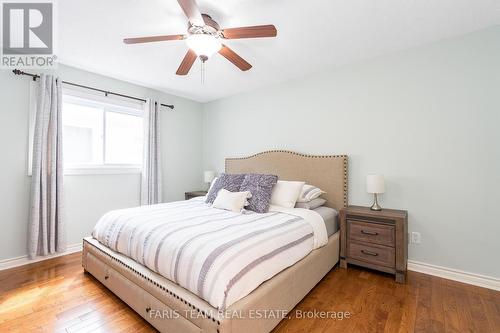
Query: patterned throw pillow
[[230, 182], [261, 187], [313, 204], [309, 192]]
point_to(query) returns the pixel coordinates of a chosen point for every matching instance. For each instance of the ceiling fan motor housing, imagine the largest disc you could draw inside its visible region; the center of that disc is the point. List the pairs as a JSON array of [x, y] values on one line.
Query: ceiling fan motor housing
[[210, 28]]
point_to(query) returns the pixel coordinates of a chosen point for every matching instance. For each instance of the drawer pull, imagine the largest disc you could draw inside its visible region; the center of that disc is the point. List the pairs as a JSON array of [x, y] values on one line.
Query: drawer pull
[[371, 233], [106, 277], [370, 253], [148, 309]]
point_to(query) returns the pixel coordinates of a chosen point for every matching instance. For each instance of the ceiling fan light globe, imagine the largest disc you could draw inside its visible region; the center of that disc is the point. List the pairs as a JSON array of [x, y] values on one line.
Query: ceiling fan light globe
[[204, 44]]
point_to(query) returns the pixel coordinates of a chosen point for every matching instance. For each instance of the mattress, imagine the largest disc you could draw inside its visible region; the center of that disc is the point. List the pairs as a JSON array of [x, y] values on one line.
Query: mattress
[[219, 255], [330, 217]]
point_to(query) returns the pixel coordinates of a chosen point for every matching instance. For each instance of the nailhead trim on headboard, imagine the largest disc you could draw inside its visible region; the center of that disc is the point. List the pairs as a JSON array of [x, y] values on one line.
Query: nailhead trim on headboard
[[169, 292], [345, 181], [301, 155]]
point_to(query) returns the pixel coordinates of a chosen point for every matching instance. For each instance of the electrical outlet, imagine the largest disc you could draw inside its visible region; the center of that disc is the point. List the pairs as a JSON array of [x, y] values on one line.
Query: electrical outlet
[[415, 237]]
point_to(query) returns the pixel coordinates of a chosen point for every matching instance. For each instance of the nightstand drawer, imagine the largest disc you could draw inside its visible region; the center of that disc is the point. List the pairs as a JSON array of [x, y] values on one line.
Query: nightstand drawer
[[375, 254], [370, 232]]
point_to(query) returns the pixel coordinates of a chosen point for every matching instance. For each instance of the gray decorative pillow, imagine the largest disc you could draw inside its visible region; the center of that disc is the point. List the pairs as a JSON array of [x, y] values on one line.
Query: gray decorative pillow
[[230, 182], [261, 187]]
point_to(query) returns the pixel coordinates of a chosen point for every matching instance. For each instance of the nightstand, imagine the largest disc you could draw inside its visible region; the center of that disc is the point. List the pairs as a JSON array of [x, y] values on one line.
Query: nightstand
[[374, 239], [194, 194]]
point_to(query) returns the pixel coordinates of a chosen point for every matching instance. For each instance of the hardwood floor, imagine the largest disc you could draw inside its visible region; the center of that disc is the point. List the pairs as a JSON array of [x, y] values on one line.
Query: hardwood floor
[[56, 296]]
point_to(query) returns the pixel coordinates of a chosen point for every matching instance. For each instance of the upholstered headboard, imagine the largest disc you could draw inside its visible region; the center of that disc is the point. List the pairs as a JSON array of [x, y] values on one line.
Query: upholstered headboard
[[326, 172]]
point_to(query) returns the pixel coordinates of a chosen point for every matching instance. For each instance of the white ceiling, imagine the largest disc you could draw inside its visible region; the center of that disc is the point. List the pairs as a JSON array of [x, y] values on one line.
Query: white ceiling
[[312, 35]]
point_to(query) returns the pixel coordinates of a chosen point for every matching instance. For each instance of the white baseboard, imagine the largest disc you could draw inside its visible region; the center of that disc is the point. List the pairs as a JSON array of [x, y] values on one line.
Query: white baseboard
[[455, 275], [24, 260]]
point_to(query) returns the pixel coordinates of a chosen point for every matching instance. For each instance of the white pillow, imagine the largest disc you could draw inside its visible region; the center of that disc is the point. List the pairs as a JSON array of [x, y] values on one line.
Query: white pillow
[[309, 193], [285, 193], [233, 201]]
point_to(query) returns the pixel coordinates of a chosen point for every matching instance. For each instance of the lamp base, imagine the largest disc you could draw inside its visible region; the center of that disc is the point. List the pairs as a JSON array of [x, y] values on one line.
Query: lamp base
[[375, 205]]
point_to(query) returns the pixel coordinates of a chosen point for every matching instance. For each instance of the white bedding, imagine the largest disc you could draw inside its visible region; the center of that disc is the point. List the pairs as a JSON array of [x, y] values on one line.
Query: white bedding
[[219, 255]]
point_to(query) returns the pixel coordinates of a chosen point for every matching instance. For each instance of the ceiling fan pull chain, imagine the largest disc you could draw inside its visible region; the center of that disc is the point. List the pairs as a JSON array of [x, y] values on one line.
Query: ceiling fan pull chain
[[202, 71]]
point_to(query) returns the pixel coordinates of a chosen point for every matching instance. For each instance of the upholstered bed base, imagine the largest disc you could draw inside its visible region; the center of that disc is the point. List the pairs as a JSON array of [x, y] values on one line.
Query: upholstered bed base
[[171, 308]]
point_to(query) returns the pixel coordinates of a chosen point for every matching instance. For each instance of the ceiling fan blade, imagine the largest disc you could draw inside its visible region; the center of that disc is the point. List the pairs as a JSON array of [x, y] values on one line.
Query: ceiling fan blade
[[250, 32], [186, 63], [150, 39], [192, 12], [232, 56]]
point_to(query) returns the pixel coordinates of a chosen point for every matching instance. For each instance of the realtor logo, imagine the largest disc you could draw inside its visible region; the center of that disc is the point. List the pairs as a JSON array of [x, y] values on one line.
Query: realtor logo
[[27, 34]]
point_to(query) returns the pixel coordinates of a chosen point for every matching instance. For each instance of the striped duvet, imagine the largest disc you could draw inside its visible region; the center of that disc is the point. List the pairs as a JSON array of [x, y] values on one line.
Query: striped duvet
[[220, 256]]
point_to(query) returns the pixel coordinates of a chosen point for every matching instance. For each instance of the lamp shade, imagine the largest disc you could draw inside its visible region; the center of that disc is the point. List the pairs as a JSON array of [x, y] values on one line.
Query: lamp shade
[[375, 184], [208, 176], [204, 44]]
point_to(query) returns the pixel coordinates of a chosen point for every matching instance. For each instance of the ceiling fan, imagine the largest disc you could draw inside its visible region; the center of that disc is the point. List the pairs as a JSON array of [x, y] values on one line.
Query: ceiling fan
[[204, 38]]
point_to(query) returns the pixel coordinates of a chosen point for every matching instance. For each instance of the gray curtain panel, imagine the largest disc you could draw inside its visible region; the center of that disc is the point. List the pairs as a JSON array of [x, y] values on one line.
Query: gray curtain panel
[[46, 225], [151, 165]]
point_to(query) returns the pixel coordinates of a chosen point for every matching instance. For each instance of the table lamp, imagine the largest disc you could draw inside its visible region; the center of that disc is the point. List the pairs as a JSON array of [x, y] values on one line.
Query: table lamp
[[208, 176], [375, 184]]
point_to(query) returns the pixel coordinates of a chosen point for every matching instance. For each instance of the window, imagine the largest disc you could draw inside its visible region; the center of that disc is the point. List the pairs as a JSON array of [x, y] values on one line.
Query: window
[[101, 136]]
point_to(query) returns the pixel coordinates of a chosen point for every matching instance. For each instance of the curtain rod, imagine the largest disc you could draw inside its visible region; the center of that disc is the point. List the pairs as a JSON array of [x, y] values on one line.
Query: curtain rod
[[34, 76]]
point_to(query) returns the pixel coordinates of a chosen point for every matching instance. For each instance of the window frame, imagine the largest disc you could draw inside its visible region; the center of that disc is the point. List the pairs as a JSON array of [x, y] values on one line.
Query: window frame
[[109, 104]]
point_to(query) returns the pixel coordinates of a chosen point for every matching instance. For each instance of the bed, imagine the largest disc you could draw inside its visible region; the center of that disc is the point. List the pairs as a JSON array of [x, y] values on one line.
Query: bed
[[169, 307]]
